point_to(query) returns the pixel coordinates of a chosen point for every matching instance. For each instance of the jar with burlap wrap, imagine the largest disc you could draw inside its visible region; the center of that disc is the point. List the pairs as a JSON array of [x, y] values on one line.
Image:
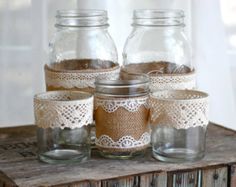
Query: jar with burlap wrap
[[121, 116], [178, 119], [80, 51], [158, 47], [63, 131]]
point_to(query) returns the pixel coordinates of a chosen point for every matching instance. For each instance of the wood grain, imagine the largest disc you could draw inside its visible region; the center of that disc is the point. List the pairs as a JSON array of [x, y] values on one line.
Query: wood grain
[[233, 175], [215, 177], [19, 165], [183, 179]]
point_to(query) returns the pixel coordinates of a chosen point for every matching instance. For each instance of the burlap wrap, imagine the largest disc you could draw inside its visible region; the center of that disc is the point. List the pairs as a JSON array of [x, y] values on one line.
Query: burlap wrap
[[81, 78], [121, 129], [164, 75]]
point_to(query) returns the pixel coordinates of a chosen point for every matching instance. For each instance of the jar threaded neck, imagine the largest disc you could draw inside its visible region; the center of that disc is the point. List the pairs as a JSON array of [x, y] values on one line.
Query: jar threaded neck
[[81, 18], [156, 17]]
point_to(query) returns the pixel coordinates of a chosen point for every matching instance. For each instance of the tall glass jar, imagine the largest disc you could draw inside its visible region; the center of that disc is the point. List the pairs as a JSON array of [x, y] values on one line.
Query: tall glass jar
[[158, 47], [80, 50]]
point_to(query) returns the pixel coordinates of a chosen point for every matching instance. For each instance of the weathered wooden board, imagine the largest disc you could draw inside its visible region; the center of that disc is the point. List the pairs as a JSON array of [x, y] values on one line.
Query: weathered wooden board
[[215, 177], [19, 166], [232, 175], [184, 179]]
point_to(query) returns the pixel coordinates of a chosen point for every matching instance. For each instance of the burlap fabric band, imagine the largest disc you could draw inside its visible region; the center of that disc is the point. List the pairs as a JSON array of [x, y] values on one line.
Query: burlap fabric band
[[63, 109], [80, 79], [181, 109], [122, 124], [161, 78]]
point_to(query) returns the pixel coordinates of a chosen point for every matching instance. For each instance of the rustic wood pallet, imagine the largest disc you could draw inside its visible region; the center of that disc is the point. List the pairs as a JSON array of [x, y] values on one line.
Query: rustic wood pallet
[[19, 166]]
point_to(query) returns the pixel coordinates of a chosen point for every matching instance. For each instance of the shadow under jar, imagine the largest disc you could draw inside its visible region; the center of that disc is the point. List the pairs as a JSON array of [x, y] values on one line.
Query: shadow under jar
[[121, 116], [63, 131], [158, 47], [179, 120], [80, 50]]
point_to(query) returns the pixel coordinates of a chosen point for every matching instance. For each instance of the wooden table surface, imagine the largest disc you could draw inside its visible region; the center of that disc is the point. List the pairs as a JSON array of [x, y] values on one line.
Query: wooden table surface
[[19, 165]]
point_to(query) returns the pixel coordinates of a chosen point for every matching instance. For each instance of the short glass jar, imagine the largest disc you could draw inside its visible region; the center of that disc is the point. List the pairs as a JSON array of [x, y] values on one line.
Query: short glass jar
[[179, 120], [158, 46], [63, 131], [80, 50], [121, 116]]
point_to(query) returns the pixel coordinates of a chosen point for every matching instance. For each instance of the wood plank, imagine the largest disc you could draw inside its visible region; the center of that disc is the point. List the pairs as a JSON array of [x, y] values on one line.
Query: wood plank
[[148, 179], [81, 184], [183, 179], [18, 162], [233, 175], [5, 181], [215, 177]]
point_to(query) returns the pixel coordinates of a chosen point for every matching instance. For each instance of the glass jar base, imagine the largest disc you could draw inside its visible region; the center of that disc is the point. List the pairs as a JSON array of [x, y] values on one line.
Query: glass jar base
[[177, 155], [122, 155], [64, 156]]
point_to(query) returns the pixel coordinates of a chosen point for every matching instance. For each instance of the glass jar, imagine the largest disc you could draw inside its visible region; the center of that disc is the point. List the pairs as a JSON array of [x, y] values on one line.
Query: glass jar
[[63, 131], [157, 46], [80, 50], [179, 120], [121, 116]]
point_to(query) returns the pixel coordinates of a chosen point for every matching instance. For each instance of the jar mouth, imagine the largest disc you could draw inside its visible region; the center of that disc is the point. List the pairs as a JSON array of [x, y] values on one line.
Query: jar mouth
[[124, 80], [81, 18], [179, 95], [158, 17], [124, 85], [63, 96]]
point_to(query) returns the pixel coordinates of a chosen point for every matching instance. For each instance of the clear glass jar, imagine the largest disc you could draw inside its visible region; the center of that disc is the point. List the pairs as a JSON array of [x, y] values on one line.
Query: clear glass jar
[[63, 121], [121, 116], [80, 50], [179, 120], [158, 46]]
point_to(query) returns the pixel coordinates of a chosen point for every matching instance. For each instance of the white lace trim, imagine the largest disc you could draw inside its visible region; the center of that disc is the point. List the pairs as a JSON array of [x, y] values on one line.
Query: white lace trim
[[130, 104], [80, 79], [63, 109], [166, 82], [125, 142], [189, 110]]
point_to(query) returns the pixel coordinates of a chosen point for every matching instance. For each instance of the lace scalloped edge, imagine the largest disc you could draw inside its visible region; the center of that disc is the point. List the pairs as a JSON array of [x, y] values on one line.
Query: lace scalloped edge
[[132, 105], [124, 142]]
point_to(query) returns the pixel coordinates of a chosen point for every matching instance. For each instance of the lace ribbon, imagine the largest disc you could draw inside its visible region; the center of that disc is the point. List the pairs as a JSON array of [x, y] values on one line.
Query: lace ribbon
[[63, 110], [80, 79], [172, 81], [128, 142], [190, 109], [130, 104]]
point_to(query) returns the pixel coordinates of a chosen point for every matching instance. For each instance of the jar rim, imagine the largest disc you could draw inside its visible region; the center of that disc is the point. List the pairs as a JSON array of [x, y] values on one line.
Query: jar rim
[[81, 13], [81, 18], [158, 13], [158, 17], [71, 96], [179, 95], [137, 79], [138, 85]]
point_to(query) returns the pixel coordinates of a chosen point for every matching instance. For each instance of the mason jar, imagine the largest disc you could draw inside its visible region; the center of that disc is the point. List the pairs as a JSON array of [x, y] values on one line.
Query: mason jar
[[80, 50], [63, 121], [158, 46], [121, 116]]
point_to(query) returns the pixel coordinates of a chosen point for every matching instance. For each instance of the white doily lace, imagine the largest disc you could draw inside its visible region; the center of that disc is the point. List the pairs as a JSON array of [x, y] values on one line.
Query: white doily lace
[[130, 104], [80, 79], [105, 141], [180, 109], [63, 109], [172, 81]]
